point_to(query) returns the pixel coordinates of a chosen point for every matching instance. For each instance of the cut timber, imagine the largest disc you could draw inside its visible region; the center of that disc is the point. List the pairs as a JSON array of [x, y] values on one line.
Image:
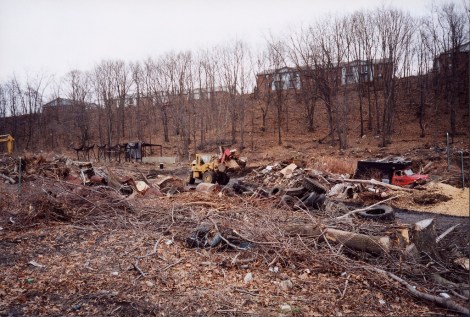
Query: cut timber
[[207, 187], [374, 182], [352, 240], [463, 262], [423, 235], [359, 241]]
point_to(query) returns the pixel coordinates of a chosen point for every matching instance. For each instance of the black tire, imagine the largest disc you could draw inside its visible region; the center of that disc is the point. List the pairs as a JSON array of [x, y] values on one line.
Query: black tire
[[314, 186], [289, 201], [222, 178], [378, 213], [209, 177], [296, 192], [313, 200], [191, 180], [240, 188], [216, 240], [310, 199], [274, 191]]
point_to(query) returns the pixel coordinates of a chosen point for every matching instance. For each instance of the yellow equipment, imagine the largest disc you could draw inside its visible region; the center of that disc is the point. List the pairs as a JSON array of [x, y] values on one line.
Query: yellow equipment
[[210, 168], [9, 140]]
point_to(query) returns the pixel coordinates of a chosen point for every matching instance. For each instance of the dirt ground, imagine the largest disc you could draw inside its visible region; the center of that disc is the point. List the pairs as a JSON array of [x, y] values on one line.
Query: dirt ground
[[82, 251], [140, 266]]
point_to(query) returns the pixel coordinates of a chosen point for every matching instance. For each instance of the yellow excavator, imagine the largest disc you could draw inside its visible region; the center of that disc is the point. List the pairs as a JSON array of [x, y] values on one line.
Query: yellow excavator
[[9, 140]]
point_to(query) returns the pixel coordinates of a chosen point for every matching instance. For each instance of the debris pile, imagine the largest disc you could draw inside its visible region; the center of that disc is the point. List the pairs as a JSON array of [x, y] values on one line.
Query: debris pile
[[309, 185], [260, 245]]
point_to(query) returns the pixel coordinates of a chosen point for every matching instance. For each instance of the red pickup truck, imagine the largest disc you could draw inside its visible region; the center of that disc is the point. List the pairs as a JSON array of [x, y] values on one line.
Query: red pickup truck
[[407, 177], [394, 170]]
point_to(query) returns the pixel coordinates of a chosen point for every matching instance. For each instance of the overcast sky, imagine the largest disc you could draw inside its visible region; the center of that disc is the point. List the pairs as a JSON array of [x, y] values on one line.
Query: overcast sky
[[55, 36]]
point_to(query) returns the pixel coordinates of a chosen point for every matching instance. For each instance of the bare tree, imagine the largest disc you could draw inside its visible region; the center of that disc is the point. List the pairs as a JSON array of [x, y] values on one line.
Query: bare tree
[[103, 75], [395, 30], [79, 91], [229, 74], [122, 80], [342, 37], [3, 108], [326, 56], [30, 97], [448, 28], [158, 88], [264, 93], [278, 59], [301, 54], [424, 63], [138, 78], [176, 68]]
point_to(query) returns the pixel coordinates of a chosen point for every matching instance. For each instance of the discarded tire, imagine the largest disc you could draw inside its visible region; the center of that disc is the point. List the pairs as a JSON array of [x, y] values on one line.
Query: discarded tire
[[314, 186], [289, 201], [241, 189], [198, 238], [310, 199], [313, 200], [296, 192], [274, 191], [380, 212], [216, 240], [222, 178], [320, 201]]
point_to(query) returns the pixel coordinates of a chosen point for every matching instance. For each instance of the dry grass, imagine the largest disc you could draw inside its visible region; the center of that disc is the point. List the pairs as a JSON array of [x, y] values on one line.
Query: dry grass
[[335, 165]]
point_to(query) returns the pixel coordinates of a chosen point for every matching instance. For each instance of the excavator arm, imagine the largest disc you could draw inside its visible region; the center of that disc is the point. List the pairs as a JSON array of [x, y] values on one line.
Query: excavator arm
[[9, 140]]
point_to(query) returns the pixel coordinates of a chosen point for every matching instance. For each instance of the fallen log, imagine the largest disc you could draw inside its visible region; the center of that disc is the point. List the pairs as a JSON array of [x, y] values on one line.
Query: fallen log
[[356, 241], [447, 303], [453, 286], [207, 187]]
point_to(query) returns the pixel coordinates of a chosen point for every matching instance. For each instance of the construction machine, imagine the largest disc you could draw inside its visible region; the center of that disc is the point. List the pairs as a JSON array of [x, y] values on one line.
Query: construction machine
[[9, 140], [212, 168]]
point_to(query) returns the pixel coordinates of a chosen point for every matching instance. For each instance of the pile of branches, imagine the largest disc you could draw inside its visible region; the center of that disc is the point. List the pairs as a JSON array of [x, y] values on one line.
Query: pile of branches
[[30, 167], [46, 200], [262, 234]]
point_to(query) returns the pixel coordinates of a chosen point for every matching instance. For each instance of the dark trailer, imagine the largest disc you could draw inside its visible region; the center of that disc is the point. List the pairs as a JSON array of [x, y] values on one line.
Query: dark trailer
[[380, 168]]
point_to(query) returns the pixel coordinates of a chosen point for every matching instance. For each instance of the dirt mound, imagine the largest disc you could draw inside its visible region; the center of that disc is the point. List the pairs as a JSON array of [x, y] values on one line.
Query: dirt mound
[[431, 199]]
